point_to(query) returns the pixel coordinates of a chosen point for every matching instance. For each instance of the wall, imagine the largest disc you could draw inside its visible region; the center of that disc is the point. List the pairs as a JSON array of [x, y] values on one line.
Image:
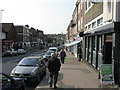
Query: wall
[[92, 13]]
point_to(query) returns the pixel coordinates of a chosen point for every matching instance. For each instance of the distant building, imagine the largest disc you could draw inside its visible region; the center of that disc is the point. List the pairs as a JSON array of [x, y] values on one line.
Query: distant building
[[23, 36], [76, 25], [56, 40], [39, 36], [36, 37], [33, 37], [9, 35]]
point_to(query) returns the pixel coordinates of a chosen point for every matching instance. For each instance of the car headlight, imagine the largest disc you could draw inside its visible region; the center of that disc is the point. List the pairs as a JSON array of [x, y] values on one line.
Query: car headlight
[[13, 72], [44, 56]]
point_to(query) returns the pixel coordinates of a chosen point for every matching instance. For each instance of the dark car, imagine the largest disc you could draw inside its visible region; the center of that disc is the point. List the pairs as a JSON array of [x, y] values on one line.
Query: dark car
[[9, 83], [30, 68]]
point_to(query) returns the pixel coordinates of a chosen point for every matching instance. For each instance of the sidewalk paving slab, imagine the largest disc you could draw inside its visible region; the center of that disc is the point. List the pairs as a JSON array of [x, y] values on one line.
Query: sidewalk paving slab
[[73, 74]]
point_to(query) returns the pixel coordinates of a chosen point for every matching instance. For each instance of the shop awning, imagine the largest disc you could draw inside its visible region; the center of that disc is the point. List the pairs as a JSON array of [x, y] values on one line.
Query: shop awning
[[72, 43]]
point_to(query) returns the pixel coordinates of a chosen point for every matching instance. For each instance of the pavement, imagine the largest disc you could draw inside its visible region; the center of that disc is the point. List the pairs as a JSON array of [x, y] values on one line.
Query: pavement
[[73, 74]]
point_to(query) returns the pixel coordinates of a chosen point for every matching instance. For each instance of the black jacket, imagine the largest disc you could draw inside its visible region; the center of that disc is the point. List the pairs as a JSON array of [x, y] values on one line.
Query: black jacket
[[62, 54], [54, 64]]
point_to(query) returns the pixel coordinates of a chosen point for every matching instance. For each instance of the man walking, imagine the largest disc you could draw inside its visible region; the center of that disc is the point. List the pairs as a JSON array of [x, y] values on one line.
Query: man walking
[[62, 55], [54, 67]]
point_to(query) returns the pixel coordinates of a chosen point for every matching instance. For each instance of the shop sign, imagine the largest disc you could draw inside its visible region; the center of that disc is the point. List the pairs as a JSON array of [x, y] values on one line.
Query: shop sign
[[106, 73]]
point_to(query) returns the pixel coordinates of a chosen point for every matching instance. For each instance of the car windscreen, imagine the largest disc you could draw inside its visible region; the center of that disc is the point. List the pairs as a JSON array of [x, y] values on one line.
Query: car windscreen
[[49, 53], [28, 62], [53, 50]]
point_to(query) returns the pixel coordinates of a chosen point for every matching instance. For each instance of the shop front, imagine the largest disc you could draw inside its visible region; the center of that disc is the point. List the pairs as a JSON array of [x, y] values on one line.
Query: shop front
[[6, 44], [103, 47]]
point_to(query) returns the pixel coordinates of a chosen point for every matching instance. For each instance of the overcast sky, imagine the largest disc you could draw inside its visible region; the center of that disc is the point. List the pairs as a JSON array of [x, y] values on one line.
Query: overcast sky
[[51, 16]]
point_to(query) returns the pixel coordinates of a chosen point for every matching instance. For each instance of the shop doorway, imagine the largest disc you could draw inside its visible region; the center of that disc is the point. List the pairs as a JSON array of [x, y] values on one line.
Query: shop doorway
[[108, 50], [108, 53]]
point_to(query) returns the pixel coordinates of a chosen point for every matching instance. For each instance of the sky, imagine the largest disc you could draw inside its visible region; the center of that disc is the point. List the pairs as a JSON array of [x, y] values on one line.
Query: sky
[[50, 16]]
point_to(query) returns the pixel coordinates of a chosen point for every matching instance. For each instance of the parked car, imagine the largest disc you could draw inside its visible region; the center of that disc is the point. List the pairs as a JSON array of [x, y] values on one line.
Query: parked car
[[10, 83], [47, 55], [14, 52], [53, 49], [21, 51], [30, 68], [10, 52]]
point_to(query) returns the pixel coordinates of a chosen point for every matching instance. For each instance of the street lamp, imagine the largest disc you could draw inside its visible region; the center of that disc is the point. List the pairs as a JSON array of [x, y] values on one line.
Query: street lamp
[[1, 40], [1, 15], [1, 26]]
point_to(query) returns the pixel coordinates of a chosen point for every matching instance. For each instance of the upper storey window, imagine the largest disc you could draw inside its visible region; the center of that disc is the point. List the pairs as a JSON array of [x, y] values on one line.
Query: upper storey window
[[88, 5]]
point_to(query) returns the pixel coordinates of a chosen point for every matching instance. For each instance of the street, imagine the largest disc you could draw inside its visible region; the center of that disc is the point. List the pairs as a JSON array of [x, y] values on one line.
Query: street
[[9, 62]]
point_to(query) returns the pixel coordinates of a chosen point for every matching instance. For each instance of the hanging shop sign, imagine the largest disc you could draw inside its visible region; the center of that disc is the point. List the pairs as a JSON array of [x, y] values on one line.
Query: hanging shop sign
[[106, 74]]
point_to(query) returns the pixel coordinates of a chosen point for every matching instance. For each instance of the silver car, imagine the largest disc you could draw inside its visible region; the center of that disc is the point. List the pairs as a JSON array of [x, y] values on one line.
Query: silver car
[[48, 55], [21, 51], [30, 68]]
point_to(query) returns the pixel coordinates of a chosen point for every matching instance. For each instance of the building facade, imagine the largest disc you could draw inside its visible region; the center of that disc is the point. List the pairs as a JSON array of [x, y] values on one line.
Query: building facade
[[98, 23], [101, 23], [23, 36], [76, 26], [9, 35]]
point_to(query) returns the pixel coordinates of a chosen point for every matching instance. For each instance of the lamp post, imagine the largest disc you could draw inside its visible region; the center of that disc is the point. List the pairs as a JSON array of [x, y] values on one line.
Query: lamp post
[[1, 25], [1, 15], [1, 41]]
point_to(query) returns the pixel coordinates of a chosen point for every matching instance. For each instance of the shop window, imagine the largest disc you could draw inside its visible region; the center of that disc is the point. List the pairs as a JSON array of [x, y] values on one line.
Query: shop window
[[94, 43], [89, 49], [100, 44], [86, 45]]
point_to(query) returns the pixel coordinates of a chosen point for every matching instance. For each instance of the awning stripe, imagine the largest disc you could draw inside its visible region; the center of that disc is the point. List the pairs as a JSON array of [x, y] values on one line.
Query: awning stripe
[[72, 43]]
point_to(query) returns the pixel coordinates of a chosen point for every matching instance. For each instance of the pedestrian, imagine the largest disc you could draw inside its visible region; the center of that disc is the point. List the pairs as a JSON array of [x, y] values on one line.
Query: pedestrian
[[62, 55], [54, 68]]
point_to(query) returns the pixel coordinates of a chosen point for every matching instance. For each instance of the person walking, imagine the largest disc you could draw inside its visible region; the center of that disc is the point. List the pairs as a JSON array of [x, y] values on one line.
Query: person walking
[[62, 55], [54, 68]]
